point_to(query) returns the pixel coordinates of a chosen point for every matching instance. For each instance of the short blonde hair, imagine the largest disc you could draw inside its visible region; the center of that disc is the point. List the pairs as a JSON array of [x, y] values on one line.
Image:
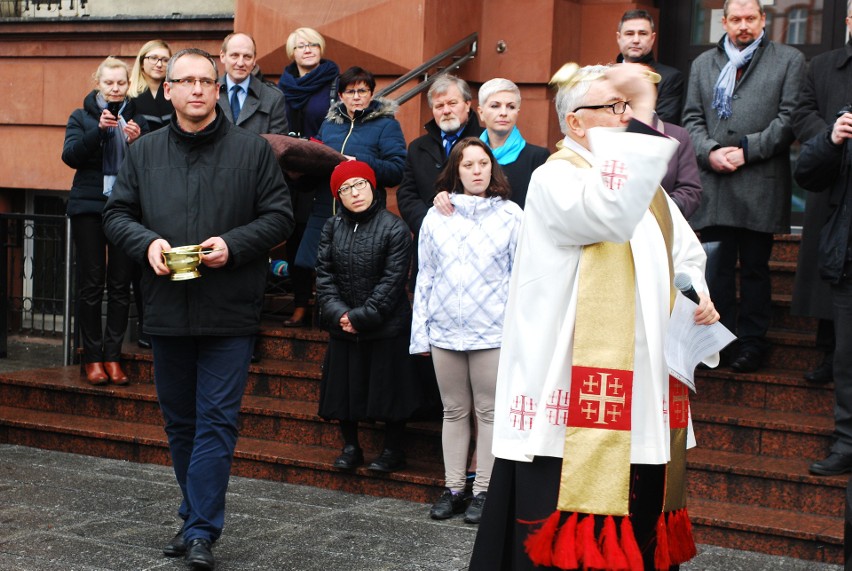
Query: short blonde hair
[[138, 85], [310, 35], [497, 85], [109, 63]]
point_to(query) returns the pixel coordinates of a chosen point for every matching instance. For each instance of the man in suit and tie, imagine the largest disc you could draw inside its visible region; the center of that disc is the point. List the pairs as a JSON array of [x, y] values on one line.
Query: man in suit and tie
[[246, 100]]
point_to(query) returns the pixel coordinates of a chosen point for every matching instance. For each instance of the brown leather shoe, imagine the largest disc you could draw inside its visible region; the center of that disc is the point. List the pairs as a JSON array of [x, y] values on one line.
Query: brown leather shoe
[[116, 375], [95, 373]]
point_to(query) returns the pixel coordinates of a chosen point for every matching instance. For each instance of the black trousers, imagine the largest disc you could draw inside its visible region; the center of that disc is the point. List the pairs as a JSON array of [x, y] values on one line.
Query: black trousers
[[93, 251], [301, 278], [528, 491], [749, 319], [842, 305]]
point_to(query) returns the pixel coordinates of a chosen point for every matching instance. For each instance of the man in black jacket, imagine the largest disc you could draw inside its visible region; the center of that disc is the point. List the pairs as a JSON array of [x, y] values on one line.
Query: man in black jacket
[[635, 37], [200, 181], [449, 98]]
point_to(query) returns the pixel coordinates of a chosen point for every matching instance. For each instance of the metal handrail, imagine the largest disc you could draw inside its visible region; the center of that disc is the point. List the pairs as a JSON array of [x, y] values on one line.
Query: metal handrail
[[427, 65]]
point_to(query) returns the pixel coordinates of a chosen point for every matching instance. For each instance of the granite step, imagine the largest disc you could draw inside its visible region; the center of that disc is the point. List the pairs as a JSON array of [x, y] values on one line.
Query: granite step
[[762, 432], [262, 417], [256, 458], [777, 483], [779, 532], [770, 388], [785, 247]]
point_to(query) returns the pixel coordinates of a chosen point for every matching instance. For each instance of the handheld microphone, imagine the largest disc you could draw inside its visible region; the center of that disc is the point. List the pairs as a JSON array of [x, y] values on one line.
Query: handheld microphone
[[684, 284]]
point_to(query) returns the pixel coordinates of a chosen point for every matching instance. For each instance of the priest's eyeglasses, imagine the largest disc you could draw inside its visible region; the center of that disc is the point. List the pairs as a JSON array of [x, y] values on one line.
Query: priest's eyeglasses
[[358, 185], [617, 108]]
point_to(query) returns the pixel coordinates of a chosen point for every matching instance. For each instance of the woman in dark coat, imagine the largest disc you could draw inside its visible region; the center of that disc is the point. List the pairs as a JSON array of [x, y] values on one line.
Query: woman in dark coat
[[361, 273], [361, 128], [96, 139], [309, 84]]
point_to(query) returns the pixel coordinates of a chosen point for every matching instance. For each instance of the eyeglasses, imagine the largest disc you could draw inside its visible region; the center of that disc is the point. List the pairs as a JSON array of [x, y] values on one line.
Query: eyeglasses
[[358, 185], [189, 82], [352, 92], [617, 108], [303, 47], [154, 60]]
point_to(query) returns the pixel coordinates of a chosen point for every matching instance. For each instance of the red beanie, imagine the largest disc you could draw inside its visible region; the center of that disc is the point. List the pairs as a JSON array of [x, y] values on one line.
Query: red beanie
[[351, 169]]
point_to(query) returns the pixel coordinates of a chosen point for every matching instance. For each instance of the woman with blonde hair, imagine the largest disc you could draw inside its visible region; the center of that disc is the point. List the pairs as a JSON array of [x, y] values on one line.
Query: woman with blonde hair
[[309, 86], [146, 83], [96, 141]]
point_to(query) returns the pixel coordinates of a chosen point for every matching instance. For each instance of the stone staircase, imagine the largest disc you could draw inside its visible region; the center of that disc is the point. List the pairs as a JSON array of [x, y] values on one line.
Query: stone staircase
[[748, 479]]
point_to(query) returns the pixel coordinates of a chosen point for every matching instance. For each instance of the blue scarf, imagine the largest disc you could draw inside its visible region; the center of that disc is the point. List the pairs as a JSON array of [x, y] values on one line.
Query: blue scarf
[[510, 150], [298, 90], [114, 145], [723, 92]]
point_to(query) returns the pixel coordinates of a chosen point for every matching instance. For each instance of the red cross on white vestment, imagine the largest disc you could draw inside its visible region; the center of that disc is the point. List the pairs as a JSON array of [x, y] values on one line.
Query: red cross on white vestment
[[679, 397], [557, 407], [521, 412], [614, 174], [600, 398]]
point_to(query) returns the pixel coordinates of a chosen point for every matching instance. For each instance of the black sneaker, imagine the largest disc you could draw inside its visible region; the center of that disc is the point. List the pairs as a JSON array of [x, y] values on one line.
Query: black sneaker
[[473, 513], [448, 504], [388, 461], [351, 458]]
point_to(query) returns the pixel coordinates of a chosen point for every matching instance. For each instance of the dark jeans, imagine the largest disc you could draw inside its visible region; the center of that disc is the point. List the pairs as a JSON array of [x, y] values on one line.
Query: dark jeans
[[200, 383], [93, 250], [749, 319], [842, 304]]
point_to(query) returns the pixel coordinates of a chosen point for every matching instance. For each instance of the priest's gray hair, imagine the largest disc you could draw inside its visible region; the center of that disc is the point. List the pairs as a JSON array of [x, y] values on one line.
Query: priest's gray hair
[[573, 94]]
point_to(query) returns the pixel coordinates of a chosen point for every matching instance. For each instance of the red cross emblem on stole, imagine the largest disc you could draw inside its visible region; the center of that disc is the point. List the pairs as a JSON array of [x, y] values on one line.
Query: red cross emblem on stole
[[557, 407], [521, 412], [679, 399], [614, 174], [600, 398]]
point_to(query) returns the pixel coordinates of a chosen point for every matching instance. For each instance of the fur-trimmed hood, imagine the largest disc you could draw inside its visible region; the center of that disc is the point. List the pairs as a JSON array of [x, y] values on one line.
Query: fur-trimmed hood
[[378, 108]]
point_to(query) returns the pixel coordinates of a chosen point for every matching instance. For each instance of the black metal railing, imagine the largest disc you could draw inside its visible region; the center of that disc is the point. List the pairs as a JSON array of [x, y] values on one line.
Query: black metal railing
[[35, 292], [445, 62]]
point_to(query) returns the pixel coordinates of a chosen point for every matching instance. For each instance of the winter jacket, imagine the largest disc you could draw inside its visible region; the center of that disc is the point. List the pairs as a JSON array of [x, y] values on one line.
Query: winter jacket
[[823, 165], [361, 269], [185, 188], [83, 151], [463, 283], [373, 136]]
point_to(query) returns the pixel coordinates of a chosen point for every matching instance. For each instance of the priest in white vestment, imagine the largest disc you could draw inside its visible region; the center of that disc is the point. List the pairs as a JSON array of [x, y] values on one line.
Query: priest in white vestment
[[598, 194]]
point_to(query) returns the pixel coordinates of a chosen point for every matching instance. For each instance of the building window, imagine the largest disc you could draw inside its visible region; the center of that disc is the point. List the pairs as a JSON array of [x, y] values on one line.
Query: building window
[[797, 26]]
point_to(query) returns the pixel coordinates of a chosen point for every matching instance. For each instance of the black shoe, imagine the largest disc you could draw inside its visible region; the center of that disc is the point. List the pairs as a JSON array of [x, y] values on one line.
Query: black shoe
[[388, 461], [176, 547], [835, 464], [447, 505], [255, 358], [823, 373], [351, 458], [749, 361], [144, 343], [473, 513], [199, 554]]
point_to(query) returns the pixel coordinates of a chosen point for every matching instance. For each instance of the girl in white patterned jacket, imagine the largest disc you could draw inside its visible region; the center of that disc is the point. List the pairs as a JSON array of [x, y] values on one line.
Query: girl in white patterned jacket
[[462, 286]]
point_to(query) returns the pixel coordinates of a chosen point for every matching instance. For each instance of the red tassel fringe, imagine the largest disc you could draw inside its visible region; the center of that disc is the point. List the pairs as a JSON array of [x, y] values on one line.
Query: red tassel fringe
[[681, 544], [610, 547], [662, 560], [591, 557], [539, 544], [630, 547], [565, 548]]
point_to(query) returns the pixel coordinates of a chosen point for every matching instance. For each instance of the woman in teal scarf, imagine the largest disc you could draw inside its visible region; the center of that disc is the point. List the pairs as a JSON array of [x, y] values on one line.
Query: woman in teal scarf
[[499, 107]]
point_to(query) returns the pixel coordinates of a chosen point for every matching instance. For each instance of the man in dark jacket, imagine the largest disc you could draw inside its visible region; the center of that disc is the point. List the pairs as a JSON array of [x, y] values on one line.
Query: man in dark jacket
[[200, 181], [826, 90], [449, 98], [635, 37]]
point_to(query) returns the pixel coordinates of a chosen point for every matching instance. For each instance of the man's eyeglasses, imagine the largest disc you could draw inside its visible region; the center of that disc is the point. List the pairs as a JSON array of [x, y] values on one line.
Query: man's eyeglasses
[[154, 60], [358, 185], [617, 108], [189, 82], [352, 92], [303, 47]]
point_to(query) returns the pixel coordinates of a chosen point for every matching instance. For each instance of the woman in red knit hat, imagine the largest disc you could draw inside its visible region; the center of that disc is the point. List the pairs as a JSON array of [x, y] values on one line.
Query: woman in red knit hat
[[362, 268]]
